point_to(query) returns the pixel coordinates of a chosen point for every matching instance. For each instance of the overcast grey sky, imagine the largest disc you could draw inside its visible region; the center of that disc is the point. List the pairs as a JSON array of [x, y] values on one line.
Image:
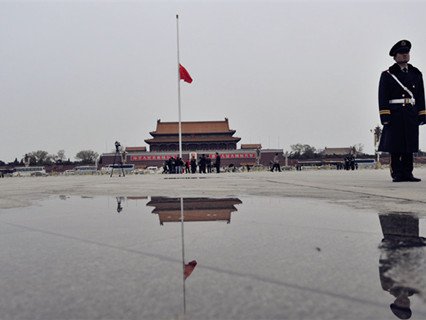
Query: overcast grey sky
[[79, 75]]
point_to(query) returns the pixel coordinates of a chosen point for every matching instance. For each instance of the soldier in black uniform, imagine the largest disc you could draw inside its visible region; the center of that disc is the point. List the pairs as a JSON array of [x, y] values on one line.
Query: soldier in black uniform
[[402, 110]]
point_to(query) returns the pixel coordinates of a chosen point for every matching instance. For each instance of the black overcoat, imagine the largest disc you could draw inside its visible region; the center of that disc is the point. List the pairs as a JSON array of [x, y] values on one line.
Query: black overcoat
[[401, 121]]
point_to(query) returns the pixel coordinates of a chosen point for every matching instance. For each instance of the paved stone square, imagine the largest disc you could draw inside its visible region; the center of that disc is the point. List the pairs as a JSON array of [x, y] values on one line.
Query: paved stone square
[[289, 245]]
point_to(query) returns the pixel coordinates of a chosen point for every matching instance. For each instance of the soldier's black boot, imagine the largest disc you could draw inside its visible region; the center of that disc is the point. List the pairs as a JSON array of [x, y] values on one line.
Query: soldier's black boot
[[398, 179], [413, 179]]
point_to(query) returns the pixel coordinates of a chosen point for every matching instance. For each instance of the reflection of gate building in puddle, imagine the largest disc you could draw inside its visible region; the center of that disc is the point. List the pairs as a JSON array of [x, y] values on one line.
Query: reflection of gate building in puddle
[[196, 209], [192, 210]]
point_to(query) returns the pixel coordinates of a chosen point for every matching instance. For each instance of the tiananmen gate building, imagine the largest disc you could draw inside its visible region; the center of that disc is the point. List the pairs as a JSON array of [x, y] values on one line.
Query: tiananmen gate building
[[198, 137]]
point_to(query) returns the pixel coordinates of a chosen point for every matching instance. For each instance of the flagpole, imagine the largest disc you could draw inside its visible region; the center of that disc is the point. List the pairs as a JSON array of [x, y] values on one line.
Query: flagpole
[[179, 103]]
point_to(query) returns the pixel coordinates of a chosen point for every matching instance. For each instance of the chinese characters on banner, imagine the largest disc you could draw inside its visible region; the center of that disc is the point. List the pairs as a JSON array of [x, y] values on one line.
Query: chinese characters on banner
[[211, 156]]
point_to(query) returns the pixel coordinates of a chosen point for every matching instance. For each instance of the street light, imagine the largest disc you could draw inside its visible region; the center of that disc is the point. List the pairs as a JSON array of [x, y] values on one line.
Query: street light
[[377, 132]]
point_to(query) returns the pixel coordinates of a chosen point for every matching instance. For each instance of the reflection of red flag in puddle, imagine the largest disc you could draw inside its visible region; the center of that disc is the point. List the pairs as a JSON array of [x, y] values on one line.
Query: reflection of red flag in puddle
[[189, 267], [184, 74]]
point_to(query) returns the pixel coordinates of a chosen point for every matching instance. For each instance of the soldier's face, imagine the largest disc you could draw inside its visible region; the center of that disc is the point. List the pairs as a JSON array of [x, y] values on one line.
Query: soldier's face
[[402, 57]]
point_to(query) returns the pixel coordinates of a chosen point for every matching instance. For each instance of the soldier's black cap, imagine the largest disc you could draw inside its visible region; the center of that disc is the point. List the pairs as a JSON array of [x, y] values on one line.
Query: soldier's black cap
[[402, 46], [401, 312]]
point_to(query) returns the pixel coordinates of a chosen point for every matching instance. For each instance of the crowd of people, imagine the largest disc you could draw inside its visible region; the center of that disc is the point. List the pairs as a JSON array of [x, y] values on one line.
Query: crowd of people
[[204, 164], [348, 163]]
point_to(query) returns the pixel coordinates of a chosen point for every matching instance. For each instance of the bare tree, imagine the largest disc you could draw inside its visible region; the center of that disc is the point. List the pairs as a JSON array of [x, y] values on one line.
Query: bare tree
[[302, 151], [358, 148], [39, 157], [61, 155], [377, 134], [87, 156]]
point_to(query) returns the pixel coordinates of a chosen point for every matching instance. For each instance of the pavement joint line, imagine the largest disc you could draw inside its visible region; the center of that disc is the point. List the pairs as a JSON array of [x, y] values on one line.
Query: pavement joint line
[[348, 191], [215, 269], [183, 178]]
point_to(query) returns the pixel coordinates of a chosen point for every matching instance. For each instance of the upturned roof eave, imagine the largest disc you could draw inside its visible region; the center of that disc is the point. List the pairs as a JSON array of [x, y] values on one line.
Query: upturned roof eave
[[155, 133], [232, 139]]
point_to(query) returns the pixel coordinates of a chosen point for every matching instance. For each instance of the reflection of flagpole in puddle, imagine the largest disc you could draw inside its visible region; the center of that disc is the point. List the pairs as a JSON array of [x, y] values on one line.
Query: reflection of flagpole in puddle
[[189, 267], [183, 254]]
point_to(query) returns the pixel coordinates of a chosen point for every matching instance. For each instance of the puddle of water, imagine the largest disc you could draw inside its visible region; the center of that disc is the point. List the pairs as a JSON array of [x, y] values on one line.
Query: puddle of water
[[209, 258]]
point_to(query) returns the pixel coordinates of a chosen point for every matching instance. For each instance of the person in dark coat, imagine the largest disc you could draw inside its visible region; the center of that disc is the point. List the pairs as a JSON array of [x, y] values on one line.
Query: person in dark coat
[[217, 163], [209, 164], [202, 163], [276, 163], [166, 166], [402, 110], [179, 165], [193, 164], [187, 165]]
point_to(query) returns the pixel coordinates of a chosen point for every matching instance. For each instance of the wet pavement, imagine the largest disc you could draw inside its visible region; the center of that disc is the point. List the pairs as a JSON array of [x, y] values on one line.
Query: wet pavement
[[233, 257]]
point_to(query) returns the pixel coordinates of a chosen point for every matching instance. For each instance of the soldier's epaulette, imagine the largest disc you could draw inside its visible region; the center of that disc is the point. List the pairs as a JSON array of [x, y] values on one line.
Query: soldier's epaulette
[[415, 69], [394, 68]]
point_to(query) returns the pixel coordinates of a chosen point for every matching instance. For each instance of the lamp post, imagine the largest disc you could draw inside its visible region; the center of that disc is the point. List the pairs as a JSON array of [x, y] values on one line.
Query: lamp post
[[377, 132], [286, 154]]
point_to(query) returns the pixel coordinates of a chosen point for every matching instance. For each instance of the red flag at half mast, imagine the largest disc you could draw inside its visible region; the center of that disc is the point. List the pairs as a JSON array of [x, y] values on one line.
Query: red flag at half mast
[[184, 74]]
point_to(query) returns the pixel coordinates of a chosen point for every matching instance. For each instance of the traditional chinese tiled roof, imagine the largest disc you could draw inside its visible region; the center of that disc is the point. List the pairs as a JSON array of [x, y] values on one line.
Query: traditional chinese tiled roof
[[195, 209], [135, 149], [251, 146], [193, 139], [193, 127], [338, 151], [165, 203]]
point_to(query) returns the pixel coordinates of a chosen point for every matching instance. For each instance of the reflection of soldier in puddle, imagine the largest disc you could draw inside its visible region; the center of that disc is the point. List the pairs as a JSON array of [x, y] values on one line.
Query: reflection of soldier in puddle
[[119, 207], [400, 260]]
